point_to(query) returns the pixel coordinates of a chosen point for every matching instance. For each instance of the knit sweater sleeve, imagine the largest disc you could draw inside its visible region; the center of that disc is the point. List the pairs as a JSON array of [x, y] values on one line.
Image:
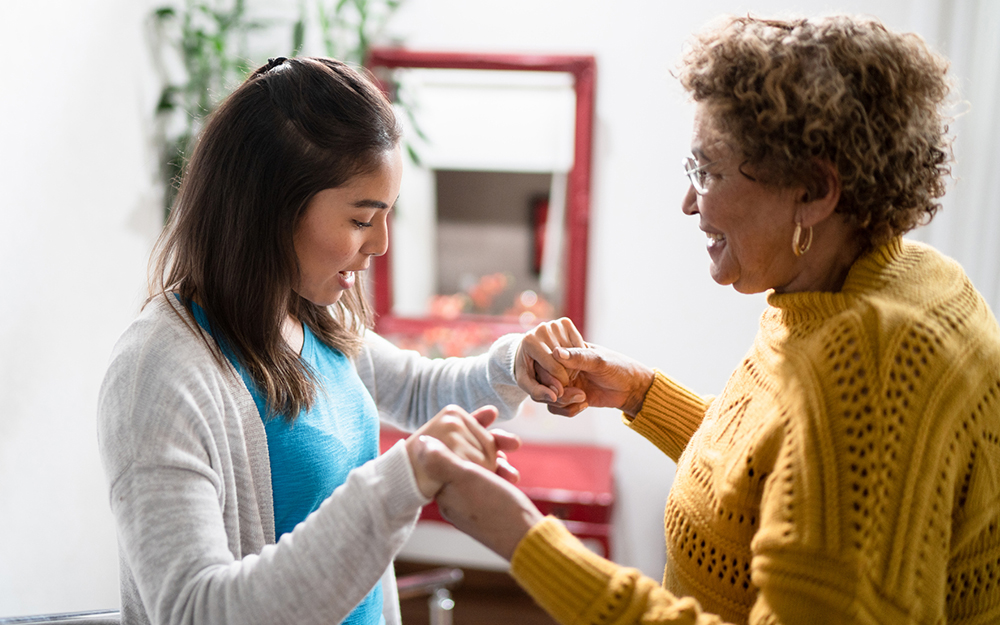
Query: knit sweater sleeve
[[670, 415], [576, 586]]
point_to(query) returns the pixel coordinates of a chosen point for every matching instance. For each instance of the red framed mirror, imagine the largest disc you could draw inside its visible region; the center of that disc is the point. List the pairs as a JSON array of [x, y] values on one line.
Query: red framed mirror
[[555, 222]]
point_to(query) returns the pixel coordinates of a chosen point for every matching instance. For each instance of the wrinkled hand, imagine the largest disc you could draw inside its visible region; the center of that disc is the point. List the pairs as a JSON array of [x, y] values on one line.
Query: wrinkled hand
[[478, 502], [605, 378], [537, 373], [465, 436]]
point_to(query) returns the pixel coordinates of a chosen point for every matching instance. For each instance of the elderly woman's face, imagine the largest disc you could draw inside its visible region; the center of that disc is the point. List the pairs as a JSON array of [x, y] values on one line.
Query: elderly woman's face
[[749, 224]]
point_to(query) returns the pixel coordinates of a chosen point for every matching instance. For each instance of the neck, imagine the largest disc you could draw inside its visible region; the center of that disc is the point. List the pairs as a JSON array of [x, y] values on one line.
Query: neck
[[292, 332], [836, 246]]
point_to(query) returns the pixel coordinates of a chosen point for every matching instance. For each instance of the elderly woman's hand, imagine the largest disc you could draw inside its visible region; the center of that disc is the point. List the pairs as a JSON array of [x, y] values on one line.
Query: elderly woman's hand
[[605, 378], [480, 503], [537, 373], [465, 436]]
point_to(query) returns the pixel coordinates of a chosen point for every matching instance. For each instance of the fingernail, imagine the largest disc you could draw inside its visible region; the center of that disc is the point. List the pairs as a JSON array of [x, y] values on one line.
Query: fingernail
[[561, 352]]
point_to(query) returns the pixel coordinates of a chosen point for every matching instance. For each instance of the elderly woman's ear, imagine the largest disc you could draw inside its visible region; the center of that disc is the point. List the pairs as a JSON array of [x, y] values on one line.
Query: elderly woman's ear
[[820, 194]]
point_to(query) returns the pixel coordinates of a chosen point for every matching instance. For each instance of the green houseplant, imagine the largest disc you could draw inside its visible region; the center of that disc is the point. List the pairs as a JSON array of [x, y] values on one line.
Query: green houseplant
[[202, 49]]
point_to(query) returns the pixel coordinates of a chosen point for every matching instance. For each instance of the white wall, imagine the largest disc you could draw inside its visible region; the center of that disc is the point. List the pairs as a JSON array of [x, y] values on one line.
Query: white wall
[[79, 213], [76, 221]]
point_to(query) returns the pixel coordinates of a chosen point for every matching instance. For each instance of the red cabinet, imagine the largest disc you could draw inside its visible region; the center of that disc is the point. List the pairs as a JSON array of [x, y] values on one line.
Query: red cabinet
[[571, 482]]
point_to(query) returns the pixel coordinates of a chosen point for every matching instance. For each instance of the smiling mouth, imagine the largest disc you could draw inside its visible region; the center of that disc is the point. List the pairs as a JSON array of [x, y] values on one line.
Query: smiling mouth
[[715, 237]]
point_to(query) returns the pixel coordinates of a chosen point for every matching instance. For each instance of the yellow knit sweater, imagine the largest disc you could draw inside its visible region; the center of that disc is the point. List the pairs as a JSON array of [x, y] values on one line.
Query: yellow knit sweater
[[848, 473]]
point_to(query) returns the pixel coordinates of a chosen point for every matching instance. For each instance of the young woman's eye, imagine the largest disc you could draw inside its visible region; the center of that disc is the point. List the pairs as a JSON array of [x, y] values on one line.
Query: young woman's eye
[[361, 225]]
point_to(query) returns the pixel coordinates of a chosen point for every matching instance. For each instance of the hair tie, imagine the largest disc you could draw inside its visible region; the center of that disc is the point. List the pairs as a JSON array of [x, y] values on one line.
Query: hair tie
[[274, 62]]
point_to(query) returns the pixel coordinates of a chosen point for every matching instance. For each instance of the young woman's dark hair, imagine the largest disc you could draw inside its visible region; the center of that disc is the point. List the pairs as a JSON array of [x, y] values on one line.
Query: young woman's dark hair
[[294, 128]]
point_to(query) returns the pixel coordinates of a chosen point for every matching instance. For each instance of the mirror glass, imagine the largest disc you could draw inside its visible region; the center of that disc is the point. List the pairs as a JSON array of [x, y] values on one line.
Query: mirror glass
[[479, 235]]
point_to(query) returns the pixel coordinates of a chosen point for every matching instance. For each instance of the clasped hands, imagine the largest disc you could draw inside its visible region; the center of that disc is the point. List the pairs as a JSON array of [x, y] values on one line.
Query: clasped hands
[[463, 465]]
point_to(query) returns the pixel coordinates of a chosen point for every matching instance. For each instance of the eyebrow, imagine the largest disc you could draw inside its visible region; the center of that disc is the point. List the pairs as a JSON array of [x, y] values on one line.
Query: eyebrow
[[372, 204], [698, 153]]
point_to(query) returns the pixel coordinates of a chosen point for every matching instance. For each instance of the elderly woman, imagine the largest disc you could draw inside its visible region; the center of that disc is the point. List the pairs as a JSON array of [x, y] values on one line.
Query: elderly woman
[[850, 470]]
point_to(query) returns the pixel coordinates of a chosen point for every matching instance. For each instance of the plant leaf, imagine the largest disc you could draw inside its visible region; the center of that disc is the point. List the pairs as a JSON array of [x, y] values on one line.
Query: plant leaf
[[298, 36]]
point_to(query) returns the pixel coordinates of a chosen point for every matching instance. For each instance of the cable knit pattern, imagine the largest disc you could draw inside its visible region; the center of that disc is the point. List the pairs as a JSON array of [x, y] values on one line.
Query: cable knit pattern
[[850, 470]]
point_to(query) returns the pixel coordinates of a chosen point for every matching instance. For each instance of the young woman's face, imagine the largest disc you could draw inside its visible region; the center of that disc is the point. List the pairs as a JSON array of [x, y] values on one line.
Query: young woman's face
[[749, 225], [342, 228]]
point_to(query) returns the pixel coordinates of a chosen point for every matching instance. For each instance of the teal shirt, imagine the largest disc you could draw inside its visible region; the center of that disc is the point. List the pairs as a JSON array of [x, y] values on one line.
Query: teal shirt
[[312, 456]]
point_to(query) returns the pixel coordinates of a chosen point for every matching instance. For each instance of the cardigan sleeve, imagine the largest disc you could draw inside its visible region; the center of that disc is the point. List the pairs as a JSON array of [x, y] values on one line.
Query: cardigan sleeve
[[193, 549], [670, 415], [409, 388]]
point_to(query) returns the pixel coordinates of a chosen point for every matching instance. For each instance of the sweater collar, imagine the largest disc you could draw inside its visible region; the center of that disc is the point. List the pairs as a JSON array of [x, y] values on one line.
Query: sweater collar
[[868, 274]]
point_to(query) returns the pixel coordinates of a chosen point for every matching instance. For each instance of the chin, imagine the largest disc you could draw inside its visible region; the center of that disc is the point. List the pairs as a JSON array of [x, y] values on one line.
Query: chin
[[748, 289], [325, 299], [722, 279]]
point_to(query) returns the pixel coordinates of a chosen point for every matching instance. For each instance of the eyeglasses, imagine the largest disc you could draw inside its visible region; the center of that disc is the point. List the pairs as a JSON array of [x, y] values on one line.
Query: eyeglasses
[[696, 174]]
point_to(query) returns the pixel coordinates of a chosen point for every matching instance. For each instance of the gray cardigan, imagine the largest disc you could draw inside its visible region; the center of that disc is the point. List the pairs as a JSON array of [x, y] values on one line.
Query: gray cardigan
[[186, 458]]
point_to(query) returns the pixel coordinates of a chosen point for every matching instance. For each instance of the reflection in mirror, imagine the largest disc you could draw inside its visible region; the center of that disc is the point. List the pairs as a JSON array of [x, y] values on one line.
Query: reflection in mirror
[[480, 235], [491, 231]]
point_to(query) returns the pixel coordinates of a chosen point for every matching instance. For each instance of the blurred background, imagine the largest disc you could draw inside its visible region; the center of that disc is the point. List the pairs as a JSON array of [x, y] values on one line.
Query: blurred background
[[81, 202]]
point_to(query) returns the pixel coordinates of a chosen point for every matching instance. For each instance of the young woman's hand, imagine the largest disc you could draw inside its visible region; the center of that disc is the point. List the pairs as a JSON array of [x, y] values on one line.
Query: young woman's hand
[[465, 436], [538, 374]]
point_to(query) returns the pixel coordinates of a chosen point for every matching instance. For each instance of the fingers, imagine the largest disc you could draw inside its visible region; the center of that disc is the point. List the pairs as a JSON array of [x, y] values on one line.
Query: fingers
[[569, 395], [466, 436], [524, 374], [435, 464], [536, 371], [570, 410], [539, 343], [506, 470], [486, 415], [474, 442], [549, 381], [505, 441]]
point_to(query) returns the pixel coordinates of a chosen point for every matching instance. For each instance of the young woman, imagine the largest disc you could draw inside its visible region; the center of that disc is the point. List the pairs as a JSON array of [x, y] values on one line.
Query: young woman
[[238, 420]]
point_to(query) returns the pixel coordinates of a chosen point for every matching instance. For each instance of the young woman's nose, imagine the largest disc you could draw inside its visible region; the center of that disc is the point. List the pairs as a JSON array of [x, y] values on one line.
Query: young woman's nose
[[377, 242]]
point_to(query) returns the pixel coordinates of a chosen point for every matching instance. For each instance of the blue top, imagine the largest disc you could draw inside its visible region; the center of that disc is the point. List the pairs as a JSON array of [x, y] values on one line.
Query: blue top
[[312, 456]]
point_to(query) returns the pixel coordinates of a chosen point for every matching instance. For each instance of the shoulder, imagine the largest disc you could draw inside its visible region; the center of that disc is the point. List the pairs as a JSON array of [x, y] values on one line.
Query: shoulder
[[163, 342], [913, 355], [163, 387], [905, 301]]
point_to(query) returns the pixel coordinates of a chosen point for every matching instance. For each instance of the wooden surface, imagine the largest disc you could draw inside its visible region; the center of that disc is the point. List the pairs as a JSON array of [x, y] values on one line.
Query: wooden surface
[[482, 598]]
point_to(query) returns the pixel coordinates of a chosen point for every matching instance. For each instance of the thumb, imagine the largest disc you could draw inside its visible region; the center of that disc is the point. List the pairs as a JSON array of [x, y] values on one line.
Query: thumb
[[580, 358]]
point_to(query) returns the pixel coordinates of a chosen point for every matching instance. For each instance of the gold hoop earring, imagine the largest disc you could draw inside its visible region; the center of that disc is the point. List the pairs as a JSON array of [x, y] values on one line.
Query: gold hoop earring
[[799, 247]]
